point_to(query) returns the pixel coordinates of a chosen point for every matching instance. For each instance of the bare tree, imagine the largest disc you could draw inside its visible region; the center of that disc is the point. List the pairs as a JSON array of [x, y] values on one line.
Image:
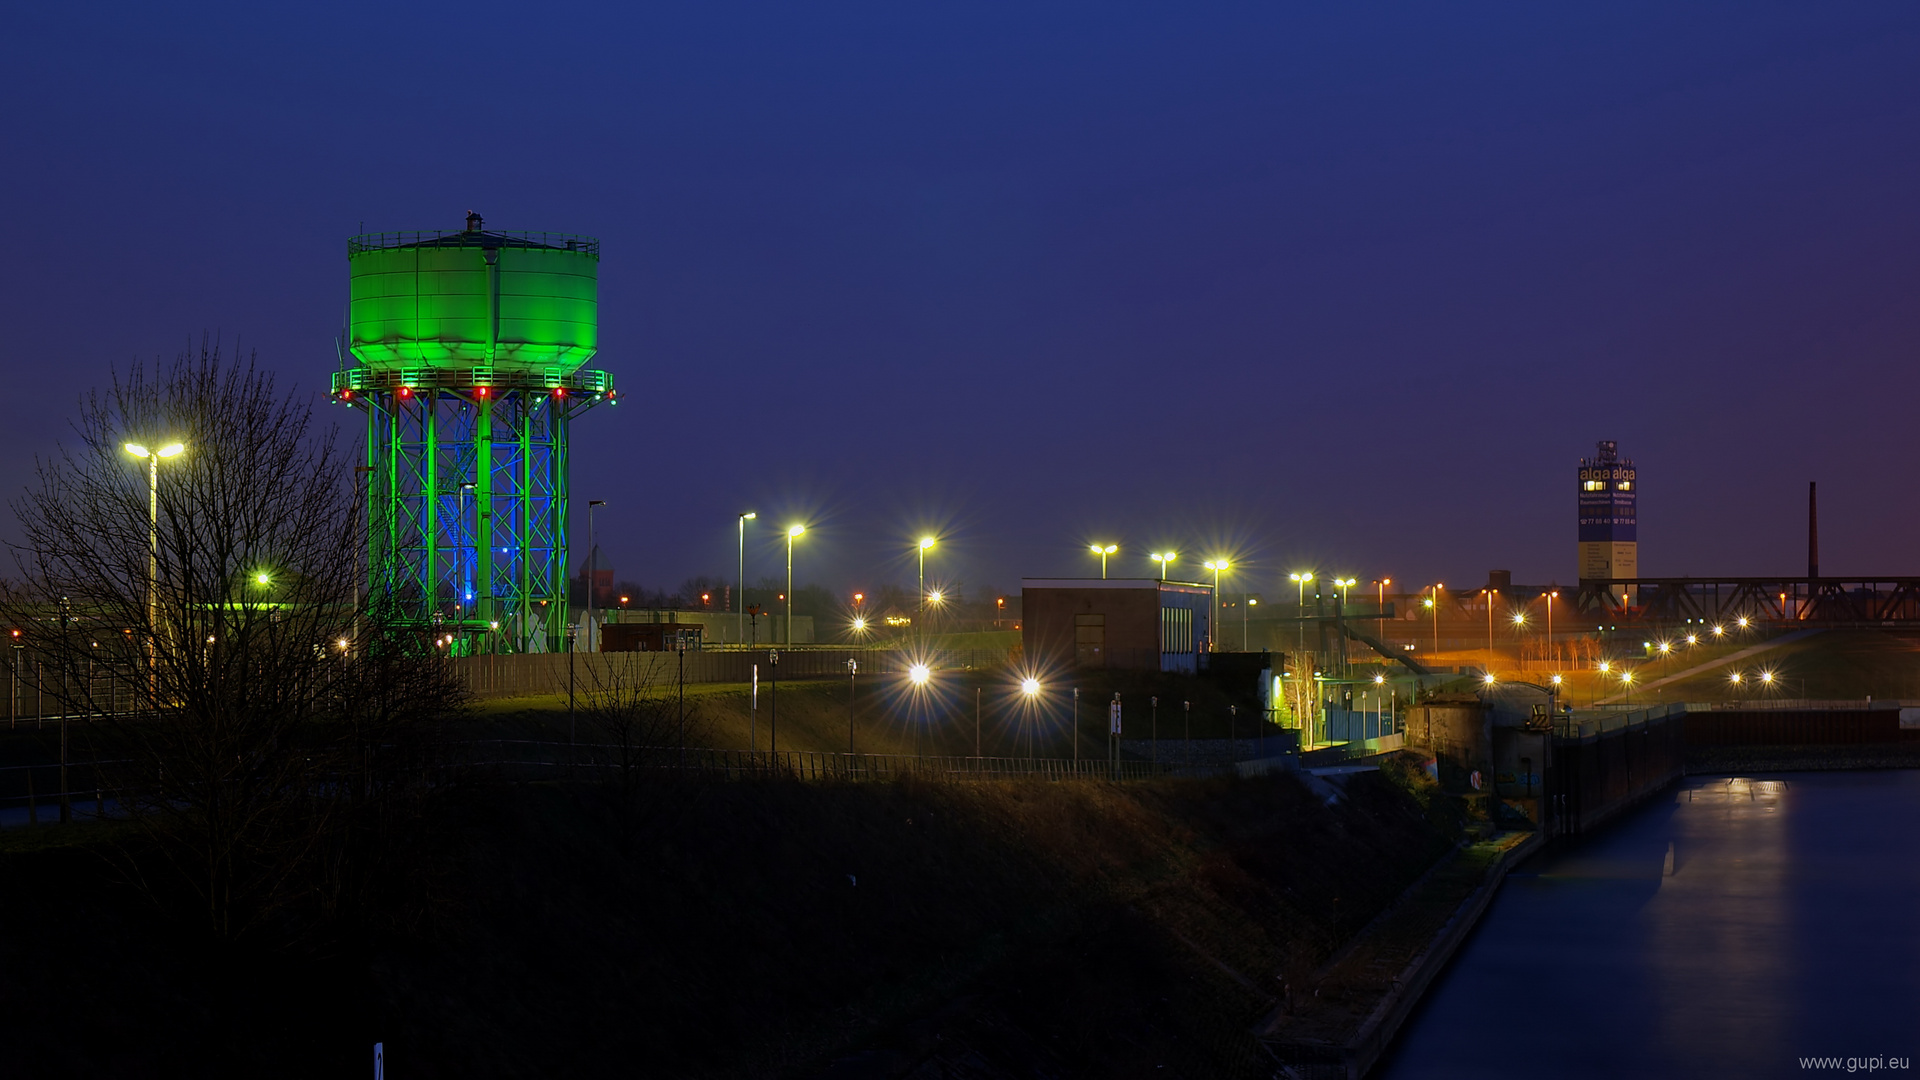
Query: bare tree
[[639, 727], [216, 635]]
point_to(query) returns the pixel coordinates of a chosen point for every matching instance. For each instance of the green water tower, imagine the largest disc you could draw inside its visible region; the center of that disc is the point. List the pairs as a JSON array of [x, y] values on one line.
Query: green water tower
[[468, 353]]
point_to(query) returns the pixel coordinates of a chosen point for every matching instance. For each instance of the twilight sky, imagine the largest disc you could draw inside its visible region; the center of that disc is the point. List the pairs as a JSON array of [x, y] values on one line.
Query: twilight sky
[[1351, 291]]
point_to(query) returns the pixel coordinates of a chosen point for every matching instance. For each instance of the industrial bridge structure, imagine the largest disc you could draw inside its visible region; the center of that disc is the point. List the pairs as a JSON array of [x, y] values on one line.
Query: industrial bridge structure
[[1827, 601]]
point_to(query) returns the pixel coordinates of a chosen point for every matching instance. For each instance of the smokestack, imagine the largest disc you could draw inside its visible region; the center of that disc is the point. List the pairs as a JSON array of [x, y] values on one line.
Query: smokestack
[[1813, 531]]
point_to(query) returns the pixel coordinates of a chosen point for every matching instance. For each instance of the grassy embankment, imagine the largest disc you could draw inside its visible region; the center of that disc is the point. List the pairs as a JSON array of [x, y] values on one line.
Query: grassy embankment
[[891, 717], [750, 929]]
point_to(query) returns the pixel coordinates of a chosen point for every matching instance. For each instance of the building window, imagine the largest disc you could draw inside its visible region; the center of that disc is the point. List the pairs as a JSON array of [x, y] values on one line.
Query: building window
[[1594, 485], [1176, 630], [1624, 485]]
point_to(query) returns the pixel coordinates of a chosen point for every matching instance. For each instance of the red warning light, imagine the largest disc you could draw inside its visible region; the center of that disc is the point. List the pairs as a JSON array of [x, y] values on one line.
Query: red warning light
[[480, 390], [406, 391], [559, 391]]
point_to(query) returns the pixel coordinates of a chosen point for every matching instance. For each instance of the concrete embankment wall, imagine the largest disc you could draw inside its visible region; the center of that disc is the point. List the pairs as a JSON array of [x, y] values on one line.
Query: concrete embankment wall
[[1869, 723], [1609, 768]]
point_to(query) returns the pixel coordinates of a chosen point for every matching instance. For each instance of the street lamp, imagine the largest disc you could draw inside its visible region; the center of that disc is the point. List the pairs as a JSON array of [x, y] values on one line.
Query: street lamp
[[1165, 559], [593, 565], [925, 543], [1217, 565], [1490, 594], [740, 583], [1380, 606], [1103, 552], [153, 549], [792, 534], [1433, 602]]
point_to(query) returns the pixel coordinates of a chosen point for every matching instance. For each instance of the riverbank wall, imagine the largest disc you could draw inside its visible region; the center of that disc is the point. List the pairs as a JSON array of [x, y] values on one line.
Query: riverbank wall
[[1602, 767]]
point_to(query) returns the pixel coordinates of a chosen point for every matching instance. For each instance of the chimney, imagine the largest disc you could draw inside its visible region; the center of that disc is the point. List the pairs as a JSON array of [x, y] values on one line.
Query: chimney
[[1813, 531], [474, 221]]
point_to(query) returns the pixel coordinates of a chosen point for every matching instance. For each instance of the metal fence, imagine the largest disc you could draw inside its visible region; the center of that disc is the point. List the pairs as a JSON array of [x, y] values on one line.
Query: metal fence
[[530, 674], [532, 759], [34, 693]]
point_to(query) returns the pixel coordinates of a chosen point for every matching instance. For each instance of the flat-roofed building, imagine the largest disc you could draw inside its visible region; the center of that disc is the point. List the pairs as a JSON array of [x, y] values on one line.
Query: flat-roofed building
[[1136, 623]]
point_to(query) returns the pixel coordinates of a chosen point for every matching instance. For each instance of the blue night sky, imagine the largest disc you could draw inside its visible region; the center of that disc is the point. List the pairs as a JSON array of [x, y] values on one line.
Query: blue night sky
[[1353, 290]]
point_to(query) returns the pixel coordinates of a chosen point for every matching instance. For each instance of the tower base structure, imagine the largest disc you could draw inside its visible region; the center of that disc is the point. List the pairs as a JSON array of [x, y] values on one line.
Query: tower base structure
[[466, 488]]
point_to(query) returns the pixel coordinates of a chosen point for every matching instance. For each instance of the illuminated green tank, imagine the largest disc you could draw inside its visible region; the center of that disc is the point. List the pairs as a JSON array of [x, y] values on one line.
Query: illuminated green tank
[[468, 351], [474, 299]]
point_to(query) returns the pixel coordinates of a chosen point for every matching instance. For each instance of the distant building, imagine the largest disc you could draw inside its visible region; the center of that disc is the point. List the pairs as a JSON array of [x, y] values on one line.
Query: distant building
[[1609, 494], [1135, 623]]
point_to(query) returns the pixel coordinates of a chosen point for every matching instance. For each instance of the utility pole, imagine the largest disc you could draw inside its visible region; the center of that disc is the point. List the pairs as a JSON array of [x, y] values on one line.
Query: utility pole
[[773, 714]]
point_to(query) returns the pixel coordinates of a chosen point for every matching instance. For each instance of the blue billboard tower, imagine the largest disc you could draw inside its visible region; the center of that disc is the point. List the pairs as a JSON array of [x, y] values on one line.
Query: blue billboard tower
[[1609, 544]]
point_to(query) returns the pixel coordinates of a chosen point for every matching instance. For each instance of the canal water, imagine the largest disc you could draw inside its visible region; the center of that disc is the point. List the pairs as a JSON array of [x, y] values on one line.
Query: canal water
[[1729, 930]]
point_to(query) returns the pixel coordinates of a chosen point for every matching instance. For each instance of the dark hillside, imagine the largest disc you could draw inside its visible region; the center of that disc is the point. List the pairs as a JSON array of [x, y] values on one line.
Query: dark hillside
[[754, 929]]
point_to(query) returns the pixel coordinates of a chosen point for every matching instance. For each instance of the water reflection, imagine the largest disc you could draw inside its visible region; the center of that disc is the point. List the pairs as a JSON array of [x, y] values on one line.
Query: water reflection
[[1716, 928], [1727, 930]]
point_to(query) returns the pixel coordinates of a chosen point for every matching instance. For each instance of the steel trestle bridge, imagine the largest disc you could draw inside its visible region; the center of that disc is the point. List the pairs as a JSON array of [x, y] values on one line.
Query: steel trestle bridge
[[1878, 601]]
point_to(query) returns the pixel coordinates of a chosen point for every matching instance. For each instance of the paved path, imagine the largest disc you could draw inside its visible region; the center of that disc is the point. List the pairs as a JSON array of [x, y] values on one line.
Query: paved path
[[1741, 654]]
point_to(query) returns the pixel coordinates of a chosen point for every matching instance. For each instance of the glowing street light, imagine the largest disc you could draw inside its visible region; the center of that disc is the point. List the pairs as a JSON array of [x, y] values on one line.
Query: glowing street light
[[1487, 678], [1719, 631], [153, 549], [1380, 606], [793, 534], [740, 583], [1030, 686], [1213, 632], [926, 542], [1767, 677], [1165, 559], [1433, 604], [918, 674], [1490, 594], [1103, 552]]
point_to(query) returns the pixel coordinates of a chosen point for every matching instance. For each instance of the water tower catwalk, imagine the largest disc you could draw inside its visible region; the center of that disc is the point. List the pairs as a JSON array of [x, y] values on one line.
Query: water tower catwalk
[[468, 353]]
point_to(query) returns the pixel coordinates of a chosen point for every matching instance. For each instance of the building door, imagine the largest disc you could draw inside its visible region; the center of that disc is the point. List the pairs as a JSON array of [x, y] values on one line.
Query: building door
[[1090, 640]]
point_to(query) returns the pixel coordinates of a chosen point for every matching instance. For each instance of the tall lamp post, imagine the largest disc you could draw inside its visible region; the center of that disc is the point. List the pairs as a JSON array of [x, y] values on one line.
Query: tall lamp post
[[1490, 594], [1380, 607], [1434, 603], [1217, 565], [593, 565], [1165, 559], [1299, 626], [1103, 552], [926, 542], [1552, 654], [153, 553], [792, 535], [740, 583]]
